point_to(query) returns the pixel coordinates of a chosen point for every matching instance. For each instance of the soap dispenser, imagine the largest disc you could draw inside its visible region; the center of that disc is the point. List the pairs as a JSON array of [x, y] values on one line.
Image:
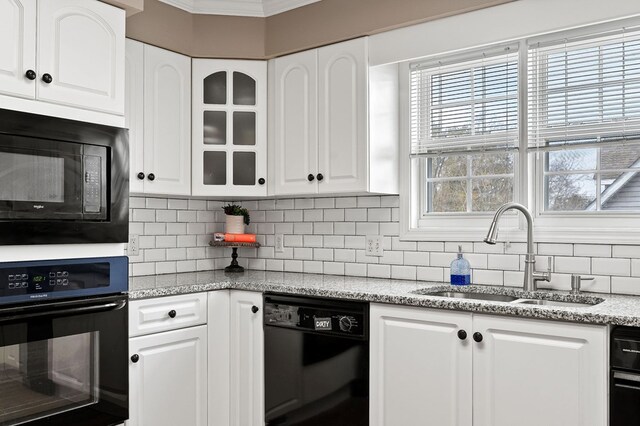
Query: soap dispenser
[[460, 270]]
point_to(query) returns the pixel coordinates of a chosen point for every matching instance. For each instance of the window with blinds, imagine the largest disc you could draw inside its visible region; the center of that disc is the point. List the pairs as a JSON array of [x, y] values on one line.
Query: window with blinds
[[584, 121], [464, 130]]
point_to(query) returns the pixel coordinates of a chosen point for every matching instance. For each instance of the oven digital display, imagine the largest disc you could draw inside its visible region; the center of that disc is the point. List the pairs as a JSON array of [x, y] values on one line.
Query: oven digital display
[[46, 279], [38, 278]]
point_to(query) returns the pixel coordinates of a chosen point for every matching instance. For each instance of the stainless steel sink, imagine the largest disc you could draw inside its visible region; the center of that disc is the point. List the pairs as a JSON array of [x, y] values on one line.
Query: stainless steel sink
[[472, 295], [555, 303]]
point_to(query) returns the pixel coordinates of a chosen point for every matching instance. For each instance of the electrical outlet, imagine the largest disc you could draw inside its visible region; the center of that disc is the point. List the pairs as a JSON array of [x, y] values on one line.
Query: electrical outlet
[[279, 243], [373, 245], [133, 249]]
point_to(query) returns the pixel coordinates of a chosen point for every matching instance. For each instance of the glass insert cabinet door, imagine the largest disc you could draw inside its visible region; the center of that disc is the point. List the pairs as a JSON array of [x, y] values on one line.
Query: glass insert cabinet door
[[229, 127]]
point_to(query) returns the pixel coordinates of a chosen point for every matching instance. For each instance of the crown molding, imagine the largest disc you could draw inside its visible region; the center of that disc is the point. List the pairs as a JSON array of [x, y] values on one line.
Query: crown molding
[[254, 8]]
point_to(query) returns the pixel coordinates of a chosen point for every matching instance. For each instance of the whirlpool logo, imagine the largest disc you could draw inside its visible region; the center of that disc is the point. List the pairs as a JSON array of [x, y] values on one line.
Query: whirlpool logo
[[38, 206]]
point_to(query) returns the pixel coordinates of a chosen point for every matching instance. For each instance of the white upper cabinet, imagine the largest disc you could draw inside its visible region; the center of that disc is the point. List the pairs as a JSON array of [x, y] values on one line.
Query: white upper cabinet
[[229, 113], [134, 112], [18, 47], [81, 54], [322, 118], [63, 58], [295, 149], [342, 112], [167, 122]]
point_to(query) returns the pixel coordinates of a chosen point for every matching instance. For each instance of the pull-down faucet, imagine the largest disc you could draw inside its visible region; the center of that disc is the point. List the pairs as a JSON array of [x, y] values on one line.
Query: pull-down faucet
[[531, 276]]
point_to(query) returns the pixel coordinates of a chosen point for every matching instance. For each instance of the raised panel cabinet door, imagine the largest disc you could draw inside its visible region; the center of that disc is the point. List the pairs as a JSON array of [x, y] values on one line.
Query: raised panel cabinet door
[[296, 124], [81, 51], [168, 378], [229, 144], [18, 47], [167, 122], [134, 112], [342, 111], [420, 367], [247, 359], [532, 373]]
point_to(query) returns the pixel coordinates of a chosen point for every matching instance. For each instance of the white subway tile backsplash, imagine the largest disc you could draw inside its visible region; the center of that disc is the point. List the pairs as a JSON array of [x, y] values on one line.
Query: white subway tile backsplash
[[327, 235], [571, 265], [324, 203], [611, 266], [592, 250], [627, 251]]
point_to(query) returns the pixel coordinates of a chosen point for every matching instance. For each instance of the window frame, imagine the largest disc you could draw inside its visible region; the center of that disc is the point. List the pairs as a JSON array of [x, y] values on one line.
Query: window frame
[[554, 227]]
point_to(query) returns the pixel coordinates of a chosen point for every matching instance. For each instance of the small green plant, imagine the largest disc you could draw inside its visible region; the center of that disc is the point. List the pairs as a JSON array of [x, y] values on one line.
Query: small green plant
[[236, 210]]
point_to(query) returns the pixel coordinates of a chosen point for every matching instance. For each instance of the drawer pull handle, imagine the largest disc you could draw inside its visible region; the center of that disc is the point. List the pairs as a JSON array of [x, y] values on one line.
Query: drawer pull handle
[[477, 337], [462, 335], [255, 309], [172, 313], [135, 358]]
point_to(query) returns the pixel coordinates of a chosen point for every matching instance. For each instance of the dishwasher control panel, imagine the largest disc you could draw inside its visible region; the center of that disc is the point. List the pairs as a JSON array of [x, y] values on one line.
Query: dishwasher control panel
[[317, 315]]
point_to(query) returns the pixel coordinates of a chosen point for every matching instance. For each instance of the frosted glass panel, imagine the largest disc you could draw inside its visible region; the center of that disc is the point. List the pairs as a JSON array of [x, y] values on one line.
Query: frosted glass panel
[[215, 168], [215, 127], [215, 88], [244, 128], [244, 168], [244, 89]]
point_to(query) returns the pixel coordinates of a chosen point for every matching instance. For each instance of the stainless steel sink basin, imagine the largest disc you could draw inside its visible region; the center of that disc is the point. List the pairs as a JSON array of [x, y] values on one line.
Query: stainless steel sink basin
[[472, 295], [555, 303]]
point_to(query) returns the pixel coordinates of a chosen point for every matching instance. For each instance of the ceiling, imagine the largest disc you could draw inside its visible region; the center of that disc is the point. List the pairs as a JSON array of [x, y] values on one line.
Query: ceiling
[[258, 8]]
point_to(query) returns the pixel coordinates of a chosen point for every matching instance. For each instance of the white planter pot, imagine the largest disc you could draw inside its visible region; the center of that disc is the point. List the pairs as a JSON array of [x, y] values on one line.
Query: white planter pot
[[235, 224]]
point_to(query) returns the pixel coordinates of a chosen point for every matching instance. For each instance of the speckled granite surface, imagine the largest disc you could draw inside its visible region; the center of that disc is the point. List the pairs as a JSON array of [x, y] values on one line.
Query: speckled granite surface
[[614, 309]]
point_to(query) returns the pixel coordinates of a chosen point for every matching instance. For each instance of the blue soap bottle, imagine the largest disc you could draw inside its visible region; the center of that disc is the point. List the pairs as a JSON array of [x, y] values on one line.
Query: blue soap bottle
[[460, 270]]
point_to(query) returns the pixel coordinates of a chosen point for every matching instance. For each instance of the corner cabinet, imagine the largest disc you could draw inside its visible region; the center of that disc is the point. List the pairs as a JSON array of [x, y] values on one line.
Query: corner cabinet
[[229, 112], [462, 369], [158, 115], [236, 358], [62, 53], [322, 120]]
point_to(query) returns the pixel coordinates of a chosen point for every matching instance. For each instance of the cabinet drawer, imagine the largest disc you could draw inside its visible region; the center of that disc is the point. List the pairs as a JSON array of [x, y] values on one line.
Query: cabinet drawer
[[167, 313]]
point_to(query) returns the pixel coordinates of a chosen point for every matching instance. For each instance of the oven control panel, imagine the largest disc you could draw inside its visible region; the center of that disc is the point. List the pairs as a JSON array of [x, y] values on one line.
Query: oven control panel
[[34, 280]]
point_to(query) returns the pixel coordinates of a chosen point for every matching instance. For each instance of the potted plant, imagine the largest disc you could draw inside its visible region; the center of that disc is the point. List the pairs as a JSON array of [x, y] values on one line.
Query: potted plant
[[237, 218]]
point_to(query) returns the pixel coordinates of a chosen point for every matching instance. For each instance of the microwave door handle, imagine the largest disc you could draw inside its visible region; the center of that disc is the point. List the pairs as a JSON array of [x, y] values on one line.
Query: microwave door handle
[[112, 306]]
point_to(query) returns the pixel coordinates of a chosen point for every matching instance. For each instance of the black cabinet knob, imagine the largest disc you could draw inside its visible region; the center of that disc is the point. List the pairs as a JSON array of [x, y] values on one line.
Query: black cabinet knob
[[255, 309], [477, 337], [261, 181], [462, 335], [135, 358], [311, 177], [47, 78], [320, 177], [172, 313], [30, 74], [151, 176], [140, 175]]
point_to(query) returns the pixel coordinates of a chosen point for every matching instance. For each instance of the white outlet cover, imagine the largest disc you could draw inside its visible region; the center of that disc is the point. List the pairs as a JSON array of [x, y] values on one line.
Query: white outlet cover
[[373, 245], [279, 243], [133, 249]]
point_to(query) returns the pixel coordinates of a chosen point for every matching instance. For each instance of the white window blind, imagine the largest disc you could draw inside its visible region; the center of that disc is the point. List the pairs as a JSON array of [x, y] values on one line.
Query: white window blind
[[465, 104], [584, 91]]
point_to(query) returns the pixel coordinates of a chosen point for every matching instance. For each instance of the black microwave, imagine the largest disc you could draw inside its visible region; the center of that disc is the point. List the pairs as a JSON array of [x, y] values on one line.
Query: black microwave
[[62, 181]]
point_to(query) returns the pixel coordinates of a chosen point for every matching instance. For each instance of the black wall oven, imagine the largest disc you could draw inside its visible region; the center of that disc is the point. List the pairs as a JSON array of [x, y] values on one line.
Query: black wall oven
[[64, 361], [62, 181]]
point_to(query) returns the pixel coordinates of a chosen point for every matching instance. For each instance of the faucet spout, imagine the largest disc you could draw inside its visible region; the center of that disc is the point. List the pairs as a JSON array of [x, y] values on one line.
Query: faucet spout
[[530, 276]]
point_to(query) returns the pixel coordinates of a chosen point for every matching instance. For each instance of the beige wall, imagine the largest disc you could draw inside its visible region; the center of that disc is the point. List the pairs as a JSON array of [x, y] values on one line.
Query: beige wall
[[207, 36], [329, 21], [324, 22]]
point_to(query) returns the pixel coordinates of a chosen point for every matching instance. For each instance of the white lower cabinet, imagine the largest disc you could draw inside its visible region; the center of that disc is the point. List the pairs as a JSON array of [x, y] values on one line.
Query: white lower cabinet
[[168, 364], [427, 367], [236, 349]]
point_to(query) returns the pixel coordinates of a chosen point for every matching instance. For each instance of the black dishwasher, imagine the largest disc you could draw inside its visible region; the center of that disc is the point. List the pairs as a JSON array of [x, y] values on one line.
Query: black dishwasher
[[625, 377], [316, 361]]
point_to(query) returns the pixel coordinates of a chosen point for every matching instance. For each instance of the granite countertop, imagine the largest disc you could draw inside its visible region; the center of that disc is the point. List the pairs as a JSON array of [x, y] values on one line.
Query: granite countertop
[[614, 309]]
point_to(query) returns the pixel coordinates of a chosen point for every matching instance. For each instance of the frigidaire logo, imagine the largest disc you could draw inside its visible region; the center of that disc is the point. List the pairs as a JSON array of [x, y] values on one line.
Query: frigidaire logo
[[38, 296], [633, 351], [38, 206]]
